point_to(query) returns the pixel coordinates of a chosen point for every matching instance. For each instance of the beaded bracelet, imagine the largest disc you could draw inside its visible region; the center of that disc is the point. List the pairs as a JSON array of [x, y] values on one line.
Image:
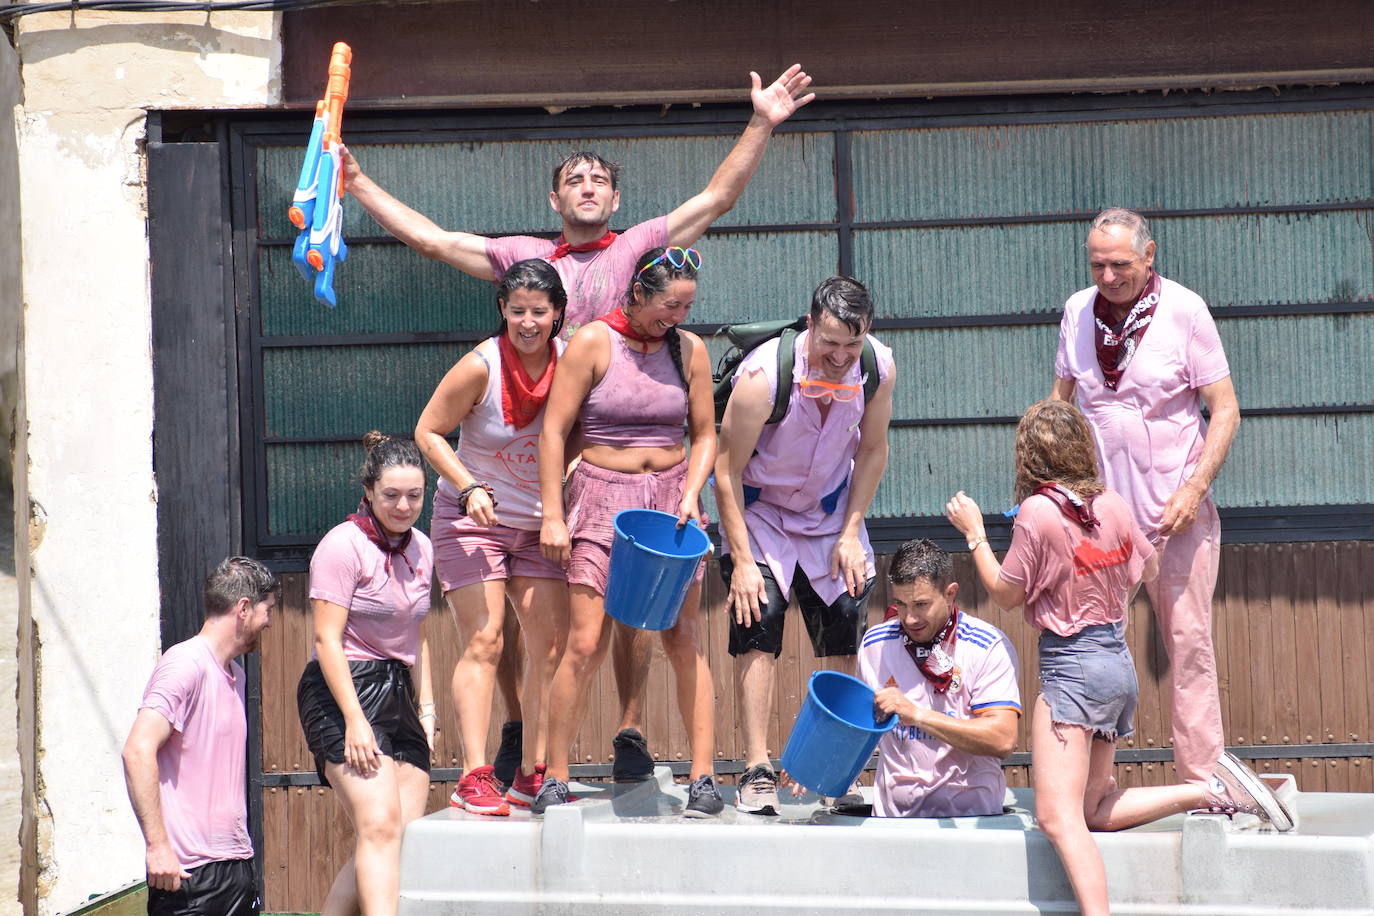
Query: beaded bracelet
[[463, 496]]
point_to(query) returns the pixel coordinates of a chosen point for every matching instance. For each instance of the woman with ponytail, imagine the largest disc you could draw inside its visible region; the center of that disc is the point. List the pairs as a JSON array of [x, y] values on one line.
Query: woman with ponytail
[[486, 525], [365, 700], [633, 380], [1076, 557]]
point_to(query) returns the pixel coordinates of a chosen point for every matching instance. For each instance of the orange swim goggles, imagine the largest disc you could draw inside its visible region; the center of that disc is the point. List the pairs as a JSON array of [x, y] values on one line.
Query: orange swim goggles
[[820, 388]]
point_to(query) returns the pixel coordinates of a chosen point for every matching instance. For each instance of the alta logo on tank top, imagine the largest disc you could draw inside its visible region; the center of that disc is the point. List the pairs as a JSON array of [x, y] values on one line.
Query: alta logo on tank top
[[520, 456]]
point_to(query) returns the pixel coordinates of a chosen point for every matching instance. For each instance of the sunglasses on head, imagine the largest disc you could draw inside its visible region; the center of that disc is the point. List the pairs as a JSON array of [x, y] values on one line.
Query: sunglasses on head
[[677, 257]]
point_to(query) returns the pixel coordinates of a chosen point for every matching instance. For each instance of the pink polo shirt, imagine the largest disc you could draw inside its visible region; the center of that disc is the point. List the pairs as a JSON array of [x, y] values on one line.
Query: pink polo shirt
[[1149, 431], [796, 485], [918, 774], [1075, 578], [385, 609], [596, 281], [200, 767]]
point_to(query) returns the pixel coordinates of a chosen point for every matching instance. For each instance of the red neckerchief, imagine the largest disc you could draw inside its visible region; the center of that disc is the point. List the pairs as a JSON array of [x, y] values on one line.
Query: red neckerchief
[[1116, 348], [617, 319], [562, 248], [936, 658], [367, 523], [521, 396], [1072, 508]]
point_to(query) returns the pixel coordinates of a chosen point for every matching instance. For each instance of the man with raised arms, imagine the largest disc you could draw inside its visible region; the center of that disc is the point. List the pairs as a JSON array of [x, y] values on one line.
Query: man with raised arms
[[951, 680], [596, 266]]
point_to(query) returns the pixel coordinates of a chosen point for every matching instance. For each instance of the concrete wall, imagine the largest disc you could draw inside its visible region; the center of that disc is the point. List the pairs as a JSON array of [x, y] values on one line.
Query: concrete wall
[[87, 399]]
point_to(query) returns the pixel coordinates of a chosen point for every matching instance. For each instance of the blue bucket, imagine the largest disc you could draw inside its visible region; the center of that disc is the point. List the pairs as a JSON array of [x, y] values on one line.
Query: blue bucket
[[653, 562], [834, 735]]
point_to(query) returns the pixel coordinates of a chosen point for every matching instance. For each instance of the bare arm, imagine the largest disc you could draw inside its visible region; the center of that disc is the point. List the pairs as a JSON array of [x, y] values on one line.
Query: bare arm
[[150, 731], [740, 428], [461, 388], [701, 427], [1062, 390], [425, 686], [1181, 510], [964, 514], [991, 732], [361, 751], [849, 558], [463, 250], [577, 373], [772, 106]]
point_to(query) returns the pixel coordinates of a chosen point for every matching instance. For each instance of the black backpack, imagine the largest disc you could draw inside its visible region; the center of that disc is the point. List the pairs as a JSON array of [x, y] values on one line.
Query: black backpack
[[744, 338]]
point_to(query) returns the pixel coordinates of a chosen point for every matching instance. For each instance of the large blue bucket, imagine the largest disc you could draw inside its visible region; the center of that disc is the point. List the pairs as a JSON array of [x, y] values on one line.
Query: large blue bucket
[[834, 735], [653, 562]]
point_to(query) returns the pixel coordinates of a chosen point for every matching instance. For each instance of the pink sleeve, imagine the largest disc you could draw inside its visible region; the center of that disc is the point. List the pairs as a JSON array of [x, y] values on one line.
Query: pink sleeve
[[334, 569], [652, 233], [504, 251], [1206, 358], [1020, 565], [172, 688], [996, 682], [1061, 357]]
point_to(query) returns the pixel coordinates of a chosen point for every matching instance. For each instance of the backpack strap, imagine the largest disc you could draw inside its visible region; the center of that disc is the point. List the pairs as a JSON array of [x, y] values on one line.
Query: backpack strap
[[787, 354], [868, 367]]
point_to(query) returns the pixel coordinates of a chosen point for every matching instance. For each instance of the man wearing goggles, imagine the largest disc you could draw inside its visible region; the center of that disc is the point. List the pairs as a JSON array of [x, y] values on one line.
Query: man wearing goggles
[[792, 497]]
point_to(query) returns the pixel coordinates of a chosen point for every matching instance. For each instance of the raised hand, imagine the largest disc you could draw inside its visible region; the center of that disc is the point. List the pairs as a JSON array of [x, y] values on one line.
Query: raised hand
[[778, 101]]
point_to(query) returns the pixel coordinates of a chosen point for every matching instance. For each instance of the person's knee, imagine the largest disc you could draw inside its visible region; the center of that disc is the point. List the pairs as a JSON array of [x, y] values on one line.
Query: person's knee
[[380, 824], [484, 648]]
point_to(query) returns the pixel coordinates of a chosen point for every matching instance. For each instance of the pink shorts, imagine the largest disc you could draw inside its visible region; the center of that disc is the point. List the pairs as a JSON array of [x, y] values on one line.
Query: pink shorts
[[466, 553], [595, 495]]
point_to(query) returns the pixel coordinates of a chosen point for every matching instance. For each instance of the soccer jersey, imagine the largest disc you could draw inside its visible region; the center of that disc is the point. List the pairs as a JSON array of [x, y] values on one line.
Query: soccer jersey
[[596, 281], [918, 774], [201, 764]]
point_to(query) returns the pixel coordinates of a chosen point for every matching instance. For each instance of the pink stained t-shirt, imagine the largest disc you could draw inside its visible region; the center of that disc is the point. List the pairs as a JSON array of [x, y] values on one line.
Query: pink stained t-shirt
[[385, 610], [918, 774], [1075, 578], [800, 468], [201, 765], [596, 281], [1149, 431]]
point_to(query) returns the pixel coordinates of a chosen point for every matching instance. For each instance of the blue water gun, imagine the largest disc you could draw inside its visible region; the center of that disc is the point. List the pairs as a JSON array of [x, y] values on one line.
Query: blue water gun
[[317, 207]]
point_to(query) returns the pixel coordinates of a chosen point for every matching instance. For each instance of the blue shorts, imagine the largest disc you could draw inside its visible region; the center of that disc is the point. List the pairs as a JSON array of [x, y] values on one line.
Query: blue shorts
[[1088, 679]]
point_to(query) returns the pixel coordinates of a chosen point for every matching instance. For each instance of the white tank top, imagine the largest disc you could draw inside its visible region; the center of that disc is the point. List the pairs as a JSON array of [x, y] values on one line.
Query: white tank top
[[499, 454]]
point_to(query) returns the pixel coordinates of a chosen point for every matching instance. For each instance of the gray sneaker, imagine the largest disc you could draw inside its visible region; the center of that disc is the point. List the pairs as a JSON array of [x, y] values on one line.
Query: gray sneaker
[[553, 792], [757, 792], [703, 798], [1234, 787]]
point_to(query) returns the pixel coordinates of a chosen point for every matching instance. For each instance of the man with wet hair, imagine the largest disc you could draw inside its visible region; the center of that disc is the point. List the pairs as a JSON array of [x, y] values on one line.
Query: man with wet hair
[[1140, 356], [184, 759], [596, 266], [792, 497], [951, 680]]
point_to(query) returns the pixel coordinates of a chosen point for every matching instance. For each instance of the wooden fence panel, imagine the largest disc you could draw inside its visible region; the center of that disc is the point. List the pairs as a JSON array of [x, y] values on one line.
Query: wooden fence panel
[[1292, 624]]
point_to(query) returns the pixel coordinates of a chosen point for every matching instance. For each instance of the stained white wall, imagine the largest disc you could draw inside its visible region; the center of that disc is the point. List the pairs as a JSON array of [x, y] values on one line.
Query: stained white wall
[[87, 388]]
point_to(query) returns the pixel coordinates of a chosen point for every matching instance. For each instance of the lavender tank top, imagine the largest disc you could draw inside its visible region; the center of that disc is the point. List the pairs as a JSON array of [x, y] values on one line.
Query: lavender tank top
[[639, 402]]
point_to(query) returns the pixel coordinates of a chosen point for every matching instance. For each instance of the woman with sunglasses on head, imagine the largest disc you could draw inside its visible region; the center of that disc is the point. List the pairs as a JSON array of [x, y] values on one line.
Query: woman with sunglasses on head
[[486, 524], [366, 701], [632, 379], [1076, 557]]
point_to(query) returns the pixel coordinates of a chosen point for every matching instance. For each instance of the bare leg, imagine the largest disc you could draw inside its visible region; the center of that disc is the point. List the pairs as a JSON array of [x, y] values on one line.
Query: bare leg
[[1106, 807], [373, 804], [754, 680], [478, 611], [510, 669], [1061, 757], [343, 893], [696, 693], [542, 605], [631, 653], [589, 636]]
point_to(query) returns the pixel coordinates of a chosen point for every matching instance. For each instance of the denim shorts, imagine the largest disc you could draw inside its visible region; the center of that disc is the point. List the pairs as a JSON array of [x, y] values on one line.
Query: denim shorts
[[1088, 679]]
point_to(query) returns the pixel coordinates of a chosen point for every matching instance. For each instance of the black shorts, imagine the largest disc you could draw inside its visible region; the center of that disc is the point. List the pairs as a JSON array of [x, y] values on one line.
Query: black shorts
[[835, 629], [227, 887], [388, 701]]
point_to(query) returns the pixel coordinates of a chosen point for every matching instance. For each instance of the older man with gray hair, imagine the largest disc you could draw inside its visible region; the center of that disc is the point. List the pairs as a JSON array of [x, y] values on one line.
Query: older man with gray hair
[[1140, 355]]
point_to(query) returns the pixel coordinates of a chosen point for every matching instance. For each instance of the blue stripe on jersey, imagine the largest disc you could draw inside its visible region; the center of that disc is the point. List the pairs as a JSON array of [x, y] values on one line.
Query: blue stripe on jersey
[[884, 631], [1010, 704], [977, 637]]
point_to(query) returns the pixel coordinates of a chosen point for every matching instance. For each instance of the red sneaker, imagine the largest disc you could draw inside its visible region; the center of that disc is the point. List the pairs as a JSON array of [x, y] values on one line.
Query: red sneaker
[[480, 793], [523, 789]]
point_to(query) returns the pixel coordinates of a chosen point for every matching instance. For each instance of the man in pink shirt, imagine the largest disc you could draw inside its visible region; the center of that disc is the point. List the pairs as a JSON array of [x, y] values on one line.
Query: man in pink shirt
[[597, 267], [951, 680], [792, 498], [1140, 355], [184, 757]]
